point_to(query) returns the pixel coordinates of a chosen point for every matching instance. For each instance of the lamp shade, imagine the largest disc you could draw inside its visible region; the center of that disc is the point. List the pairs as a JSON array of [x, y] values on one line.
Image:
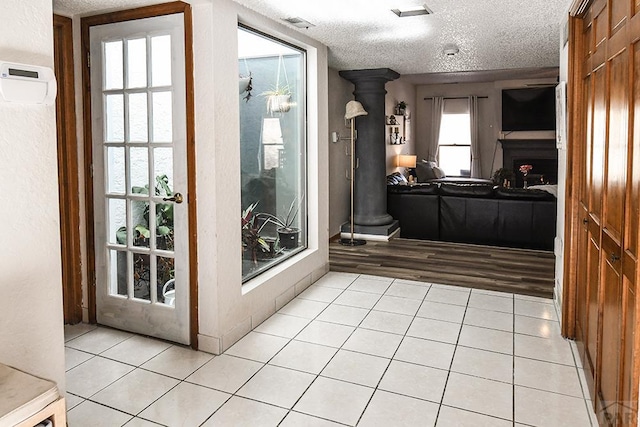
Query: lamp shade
[[354, 109], [406, 161]]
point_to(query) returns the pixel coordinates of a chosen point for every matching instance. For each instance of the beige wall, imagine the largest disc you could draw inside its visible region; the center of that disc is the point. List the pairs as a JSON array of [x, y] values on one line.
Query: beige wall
[[490, 119], [31, 335], [400, 90]]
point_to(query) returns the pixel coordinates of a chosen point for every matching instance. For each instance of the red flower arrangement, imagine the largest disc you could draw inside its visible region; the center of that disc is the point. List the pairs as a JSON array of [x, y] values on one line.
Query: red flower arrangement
[[525, 169]]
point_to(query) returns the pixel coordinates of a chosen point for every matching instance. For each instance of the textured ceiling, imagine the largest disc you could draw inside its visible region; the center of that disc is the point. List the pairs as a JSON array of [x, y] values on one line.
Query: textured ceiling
[[491, 34]]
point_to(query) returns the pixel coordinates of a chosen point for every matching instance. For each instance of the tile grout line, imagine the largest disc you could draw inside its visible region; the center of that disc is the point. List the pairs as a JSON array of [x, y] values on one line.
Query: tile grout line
[[446, 382], [393, 355]]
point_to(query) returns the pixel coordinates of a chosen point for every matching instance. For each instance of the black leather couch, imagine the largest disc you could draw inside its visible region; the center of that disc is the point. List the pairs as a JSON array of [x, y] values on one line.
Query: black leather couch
[[474, 213]]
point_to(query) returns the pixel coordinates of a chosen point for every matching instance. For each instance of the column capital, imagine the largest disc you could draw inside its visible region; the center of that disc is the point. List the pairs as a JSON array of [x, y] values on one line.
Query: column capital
[[357, 76]]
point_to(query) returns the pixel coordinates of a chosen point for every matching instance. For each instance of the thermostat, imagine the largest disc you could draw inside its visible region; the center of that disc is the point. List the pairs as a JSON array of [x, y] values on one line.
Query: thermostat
[[27, 84]]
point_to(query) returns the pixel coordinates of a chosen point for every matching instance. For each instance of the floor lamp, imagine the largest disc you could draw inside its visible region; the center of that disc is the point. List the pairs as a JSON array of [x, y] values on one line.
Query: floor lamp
[[353, 110]]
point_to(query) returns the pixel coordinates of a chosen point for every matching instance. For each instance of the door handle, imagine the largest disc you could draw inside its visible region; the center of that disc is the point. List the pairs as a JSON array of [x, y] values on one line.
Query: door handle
[[585, 221], [177, 198], [614, 257]]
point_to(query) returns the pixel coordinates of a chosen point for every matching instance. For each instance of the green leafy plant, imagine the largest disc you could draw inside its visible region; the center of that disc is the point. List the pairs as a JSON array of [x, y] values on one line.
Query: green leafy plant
[[164, 217], [402, 105], [283, 223], [252, 226]]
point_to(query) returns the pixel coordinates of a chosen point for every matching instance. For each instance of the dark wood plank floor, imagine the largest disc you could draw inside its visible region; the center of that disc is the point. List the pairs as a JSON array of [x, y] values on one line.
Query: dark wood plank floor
[[519, 271]]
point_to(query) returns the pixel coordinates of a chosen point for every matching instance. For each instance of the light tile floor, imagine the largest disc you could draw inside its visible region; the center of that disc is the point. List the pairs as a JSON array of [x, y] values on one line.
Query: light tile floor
[[350, 350]]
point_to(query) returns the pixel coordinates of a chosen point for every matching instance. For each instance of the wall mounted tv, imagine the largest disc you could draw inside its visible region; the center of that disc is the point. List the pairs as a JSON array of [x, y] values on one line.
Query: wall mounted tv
[[529, 109]]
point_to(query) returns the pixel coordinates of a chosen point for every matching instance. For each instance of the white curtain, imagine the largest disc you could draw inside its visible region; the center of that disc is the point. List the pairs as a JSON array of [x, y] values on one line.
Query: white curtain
[[436, 119], [476, 167]]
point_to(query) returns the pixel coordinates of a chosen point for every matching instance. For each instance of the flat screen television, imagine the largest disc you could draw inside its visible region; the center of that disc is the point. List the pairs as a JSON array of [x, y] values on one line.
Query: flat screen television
[[529, 109]]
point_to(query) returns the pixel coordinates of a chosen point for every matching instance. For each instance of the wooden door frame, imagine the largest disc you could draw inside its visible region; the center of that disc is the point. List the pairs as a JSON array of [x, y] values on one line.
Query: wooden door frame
[[68, 186], [122, 16]]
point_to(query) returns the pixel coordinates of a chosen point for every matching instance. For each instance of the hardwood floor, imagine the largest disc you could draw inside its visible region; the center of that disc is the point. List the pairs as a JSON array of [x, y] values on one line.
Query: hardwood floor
[[519, 271]]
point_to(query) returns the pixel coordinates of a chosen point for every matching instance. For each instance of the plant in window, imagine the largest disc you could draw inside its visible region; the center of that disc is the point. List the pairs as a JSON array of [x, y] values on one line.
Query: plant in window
[[278, 99], [252, 225], [287, 233], [164, 218], [279, 96]]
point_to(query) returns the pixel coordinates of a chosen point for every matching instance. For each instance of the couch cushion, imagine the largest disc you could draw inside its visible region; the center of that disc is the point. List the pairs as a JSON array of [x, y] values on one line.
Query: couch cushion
[[523, 194], [421, 188], [466, 190]]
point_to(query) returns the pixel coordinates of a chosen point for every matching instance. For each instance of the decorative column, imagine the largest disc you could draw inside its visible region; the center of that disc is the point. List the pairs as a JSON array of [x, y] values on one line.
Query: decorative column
[[370, 196]]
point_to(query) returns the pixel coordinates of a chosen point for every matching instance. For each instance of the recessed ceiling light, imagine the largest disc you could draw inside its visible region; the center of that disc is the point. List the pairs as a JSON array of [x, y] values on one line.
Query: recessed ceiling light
[[298, 22], [403, 13]]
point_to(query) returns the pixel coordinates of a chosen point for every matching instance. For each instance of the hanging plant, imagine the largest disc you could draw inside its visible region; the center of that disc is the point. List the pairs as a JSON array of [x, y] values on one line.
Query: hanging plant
[[246, 83], [279, 97]]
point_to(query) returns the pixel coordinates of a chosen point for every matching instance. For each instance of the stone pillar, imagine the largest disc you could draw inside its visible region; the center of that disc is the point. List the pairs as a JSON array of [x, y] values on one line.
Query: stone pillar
[[370, 195]]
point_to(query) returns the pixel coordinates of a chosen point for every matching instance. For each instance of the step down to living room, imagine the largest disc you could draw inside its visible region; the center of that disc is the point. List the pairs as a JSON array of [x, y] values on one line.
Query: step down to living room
[[521, 271]]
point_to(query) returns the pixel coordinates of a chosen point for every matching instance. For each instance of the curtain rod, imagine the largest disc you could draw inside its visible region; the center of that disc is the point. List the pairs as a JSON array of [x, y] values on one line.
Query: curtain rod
[[455, 97]]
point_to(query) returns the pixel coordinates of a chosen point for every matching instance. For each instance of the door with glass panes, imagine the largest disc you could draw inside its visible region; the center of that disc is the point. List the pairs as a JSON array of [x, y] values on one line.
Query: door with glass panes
[[138, 112]]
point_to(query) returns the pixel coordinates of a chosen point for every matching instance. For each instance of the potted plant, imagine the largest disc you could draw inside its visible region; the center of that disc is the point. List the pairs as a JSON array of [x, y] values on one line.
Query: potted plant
[[401, 108], [503, 177], [287, 234], [252, 225], [278, 99]]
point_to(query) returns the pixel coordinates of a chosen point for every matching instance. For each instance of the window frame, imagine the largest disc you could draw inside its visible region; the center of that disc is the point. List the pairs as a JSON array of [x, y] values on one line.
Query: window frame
[[303, 155]]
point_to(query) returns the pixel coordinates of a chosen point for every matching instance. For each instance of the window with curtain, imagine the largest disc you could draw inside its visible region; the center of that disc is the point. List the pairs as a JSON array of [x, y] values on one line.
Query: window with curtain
[[273, 168], [454, 142]]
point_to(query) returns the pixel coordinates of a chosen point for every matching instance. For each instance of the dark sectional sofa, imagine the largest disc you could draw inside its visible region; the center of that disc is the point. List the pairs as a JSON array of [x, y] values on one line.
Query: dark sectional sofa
[[476, 213]]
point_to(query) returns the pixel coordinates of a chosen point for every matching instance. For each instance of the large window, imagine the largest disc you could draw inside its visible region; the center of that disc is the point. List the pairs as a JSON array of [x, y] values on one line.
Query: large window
[[454, 143], [272, 149]]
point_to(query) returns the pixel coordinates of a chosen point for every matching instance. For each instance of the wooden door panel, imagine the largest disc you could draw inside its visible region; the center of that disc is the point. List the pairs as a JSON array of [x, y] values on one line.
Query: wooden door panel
[[585, 152], [593, 280], [611, 335], [600, 26], [598, 144], [619, 12], [617, 145], [628, 408], [632, 220], [582, 285]]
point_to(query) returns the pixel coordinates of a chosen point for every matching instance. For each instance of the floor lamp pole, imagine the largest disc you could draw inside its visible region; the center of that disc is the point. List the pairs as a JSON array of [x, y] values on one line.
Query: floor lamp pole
[[352, 241]]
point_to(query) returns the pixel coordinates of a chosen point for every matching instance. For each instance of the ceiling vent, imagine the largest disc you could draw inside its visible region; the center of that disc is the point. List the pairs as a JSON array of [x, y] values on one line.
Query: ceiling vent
[[404, 13], [298, 22]]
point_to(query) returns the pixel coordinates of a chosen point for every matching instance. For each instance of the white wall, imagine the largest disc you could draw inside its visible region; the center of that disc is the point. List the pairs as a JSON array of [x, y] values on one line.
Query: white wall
[[31, 335], [400, 90], [227, 309], [490, 119], [340, 92]]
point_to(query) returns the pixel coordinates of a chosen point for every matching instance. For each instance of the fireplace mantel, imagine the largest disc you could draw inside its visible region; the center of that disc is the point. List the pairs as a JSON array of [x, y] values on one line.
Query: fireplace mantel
[[519, 151]]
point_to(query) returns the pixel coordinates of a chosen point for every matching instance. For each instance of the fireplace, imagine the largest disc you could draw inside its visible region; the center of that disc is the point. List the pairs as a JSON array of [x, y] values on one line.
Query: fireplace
[[539, 153]]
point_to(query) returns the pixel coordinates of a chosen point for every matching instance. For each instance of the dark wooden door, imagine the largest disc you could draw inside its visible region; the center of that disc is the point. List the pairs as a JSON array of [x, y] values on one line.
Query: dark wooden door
[[605, 232]]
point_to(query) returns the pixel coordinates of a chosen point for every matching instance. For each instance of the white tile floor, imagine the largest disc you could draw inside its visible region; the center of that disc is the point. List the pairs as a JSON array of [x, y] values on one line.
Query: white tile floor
[[350, 350]]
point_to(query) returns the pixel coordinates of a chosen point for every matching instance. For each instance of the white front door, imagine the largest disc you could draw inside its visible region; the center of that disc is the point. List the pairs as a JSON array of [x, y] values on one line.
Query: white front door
[[138, 109]]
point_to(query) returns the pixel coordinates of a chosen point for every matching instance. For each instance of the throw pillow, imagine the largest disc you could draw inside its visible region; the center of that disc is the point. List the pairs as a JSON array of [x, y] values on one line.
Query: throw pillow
[[439, 173], [424, 170]]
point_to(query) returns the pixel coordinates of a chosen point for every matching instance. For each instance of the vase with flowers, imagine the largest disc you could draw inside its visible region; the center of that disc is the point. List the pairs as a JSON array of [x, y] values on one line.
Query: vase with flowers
[[525, 169]]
